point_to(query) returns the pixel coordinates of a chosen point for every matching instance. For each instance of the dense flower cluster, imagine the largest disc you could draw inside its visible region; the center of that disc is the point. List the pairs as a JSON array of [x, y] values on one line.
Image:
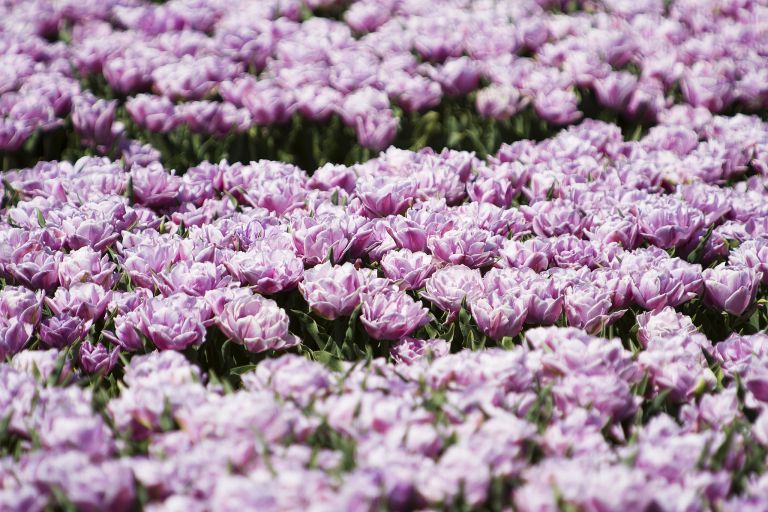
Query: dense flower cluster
[[565, 417], [220, 68], [571, 320], [114, 269]]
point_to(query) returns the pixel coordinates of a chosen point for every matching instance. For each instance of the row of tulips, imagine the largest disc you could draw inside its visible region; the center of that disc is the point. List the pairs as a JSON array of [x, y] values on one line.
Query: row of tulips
[[564, 421], [407, 244], [285, 79]]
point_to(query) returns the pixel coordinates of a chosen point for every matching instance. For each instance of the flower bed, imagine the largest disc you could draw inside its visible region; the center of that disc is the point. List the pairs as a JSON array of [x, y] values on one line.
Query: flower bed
[[548, 293]]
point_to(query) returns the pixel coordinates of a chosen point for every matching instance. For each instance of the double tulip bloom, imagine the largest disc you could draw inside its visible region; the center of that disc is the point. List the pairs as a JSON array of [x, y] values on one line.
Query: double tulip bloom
[[256, 323], [731, 289]]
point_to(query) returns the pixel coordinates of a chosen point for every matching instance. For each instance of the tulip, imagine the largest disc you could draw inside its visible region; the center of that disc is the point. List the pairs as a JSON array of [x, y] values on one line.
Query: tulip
[[383, 196], [173, 323], [85, 300], [62, 331], [268, 271], [93, 120], [500, 101], [376, 130], [14, 334], [154, 187], [654, 290], [409, 269], [193, 279], [392, 315], [257, 323], [500, 315], [450, 287], [669, 226], [533, 253], [474, 248], [332, 291], [589, 308], [731, 289], [409, 350], [35, 270], [155, 113], [86, 265], [20, 303], [752, 254], [126, 332], [545, 301], [663, 323], [96, 359], [557, 107]]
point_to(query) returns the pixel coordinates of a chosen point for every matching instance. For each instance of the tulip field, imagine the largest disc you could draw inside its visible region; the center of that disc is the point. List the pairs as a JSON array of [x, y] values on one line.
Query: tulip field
[[384, 255]]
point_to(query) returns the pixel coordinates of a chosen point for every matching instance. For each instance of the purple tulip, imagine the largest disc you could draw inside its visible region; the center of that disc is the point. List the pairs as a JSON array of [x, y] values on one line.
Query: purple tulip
[[13, 134], [669, 226], [35, 270], [533, 254], [14, 334], [193, 279], [154, 187], [127, 334], [620, 229], [589, 308], [474, 248], [86, 265], [409, 350], [407, 234], [96, 359], [663, 323], [267, 270], [413, 93], [332, 291], [93, 120], [317, 103], [213, 117], [731, 289], [392, 315], [614, 90], [408, 269], [451, 286], [558, 106], [383, 196], [376, 130], [318, 238], [129, 73], [752, 254], [257, 323], [500, 101], [85, 300], [155, 113], [368, 16], [267, 102], [173, 323], [655, 290], [499, 315], [458, 76], [144, 260], [22, 304], [545, 301], [555, 218], [62, 331]]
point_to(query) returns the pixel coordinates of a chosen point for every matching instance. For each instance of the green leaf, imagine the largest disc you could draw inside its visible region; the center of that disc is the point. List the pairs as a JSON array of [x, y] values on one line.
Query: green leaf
[[40, 219], [240, 370], [311, 327], [129, 190], [327, 359], [351, 332], [696, 253]]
